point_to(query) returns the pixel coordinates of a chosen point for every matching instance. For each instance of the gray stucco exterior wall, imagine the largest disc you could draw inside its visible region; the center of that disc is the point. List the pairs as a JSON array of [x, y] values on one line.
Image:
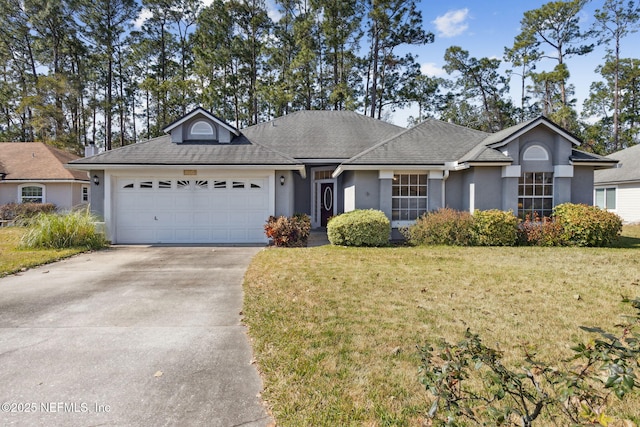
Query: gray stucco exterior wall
[[488, 191], [582, 185], [367, 189], [97, 193], [510, 195], [285, 194], [434, 194], [453, 191], [302, 194]]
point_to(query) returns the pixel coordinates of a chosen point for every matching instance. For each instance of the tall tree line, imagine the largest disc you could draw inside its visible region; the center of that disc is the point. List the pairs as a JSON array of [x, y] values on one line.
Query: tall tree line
[[78, 72]]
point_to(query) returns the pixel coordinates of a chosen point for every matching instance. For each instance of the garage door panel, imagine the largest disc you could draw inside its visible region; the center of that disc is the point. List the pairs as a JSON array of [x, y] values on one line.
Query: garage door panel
[[170, 210]]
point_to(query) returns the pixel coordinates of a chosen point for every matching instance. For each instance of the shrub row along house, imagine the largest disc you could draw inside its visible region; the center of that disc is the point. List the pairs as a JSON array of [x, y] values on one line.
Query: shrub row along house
[[208, 182]]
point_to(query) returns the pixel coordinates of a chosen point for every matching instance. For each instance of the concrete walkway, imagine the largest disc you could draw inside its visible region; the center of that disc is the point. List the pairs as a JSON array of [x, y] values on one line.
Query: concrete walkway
[[130, 336]]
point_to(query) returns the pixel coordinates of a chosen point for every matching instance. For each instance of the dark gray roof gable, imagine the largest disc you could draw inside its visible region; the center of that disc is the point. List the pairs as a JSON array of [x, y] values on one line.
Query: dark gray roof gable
[[432, 142], [320, 134], [161, 151]]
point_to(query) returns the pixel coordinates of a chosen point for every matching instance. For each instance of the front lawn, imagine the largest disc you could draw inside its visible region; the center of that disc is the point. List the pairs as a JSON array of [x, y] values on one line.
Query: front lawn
[[335, 329], [13, 259]]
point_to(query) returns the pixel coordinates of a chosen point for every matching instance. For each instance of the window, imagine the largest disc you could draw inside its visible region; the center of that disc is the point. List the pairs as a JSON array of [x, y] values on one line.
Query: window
[[606, 198], [85, 193], [535, 194], [409, 196], [164, 183], [146, 184], [535, 152], [201, 128], [32, 194]]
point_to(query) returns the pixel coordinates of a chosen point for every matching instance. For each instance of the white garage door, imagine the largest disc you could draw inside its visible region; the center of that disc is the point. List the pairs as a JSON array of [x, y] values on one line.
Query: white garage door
[[183, 210]]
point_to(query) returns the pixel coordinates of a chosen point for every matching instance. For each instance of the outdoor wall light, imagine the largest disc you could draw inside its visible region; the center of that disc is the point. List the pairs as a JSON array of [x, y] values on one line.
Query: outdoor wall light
[[281, 179], [96, 180]]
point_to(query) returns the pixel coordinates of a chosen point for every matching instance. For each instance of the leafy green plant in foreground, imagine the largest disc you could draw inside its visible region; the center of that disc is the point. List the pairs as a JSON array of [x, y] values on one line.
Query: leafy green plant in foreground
[[472, 386], [57, 231]]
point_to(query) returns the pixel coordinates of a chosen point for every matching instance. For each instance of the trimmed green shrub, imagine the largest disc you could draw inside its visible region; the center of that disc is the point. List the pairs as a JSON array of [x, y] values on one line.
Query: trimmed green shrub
[[585, 225], [58, 231], [540, 232], [495, 228], [359, 228], [24, 211], [442, 227], [289, 231]]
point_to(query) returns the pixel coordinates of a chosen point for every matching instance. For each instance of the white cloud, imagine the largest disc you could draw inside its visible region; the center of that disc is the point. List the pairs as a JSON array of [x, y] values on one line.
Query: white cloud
[[273, 12], [452, 23], [144, 15], [432, 70]]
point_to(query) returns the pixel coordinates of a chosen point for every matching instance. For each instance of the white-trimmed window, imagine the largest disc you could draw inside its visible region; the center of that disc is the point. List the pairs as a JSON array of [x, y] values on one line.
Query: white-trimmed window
[[202, 128], [85, 193], [535, 194], [606, 198], [32, 193], [535, 152], [408, 197]]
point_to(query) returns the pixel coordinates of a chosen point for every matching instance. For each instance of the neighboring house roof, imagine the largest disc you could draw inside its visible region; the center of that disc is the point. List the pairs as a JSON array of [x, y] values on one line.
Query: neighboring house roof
[[36, 161], [161, 151], [432, 142], [322, 134], [207, 114], [628, 169]]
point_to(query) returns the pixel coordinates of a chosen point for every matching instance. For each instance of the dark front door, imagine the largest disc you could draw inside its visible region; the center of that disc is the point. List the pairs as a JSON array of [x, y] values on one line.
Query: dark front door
[[326, 202]]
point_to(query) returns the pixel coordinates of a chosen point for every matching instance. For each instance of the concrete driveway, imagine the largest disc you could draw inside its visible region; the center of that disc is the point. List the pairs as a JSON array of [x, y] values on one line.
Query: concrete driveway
[[130, 336]]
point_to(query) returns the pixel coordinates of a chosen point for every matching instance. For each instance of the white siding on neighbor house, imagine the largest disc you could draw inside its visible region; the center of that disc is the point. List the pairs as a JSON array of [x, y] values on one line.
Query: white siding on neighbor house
[[65, 195], [627, 201]]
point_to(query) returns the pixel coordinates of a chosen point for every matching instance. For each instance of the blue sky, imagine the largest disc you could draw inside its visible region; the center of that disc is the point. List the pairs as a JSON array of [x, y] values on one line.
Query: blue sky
[[485, 28]]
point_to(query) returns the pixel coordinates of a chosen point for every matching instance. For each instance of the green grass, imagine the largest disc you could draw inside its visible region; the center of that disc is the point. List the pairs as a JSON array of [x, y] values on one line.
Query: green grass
[[13, 259], [335, 329]]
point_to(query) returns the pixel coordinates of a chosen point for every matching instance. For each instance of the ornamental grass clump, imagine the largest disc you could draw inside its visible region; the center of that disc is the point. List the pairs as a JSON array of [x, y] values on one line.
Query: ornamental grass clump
[[361, 227], [76, 229]]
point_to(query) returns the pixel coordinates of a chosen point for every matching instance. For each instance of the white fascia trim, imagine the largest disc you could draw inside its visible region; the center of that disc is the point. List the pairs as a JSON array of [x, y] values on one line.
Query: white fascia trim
[[395, 168], [480, 164], [319, 161], [603, 165], [105, 166]]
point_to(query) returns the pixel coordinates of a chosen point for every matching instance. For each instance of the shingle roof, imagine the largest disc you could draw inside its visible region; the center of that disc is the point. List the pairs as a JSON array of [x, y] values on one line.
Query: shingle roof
[[161, 151], [322, 134], [628, 167], [428, 143], [37, 161]]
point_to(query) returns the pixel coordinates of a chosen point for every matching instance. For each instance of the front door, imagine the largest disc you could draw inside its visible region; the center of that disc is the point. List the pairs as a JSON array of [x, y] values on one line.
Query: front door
[[326, 202]]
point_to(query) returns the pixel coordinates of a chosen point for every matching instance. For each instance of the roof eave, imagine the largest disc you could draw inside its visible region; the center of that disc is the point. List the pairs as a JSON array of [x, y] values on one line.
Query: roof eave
[[396, 167], [208, 166]]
